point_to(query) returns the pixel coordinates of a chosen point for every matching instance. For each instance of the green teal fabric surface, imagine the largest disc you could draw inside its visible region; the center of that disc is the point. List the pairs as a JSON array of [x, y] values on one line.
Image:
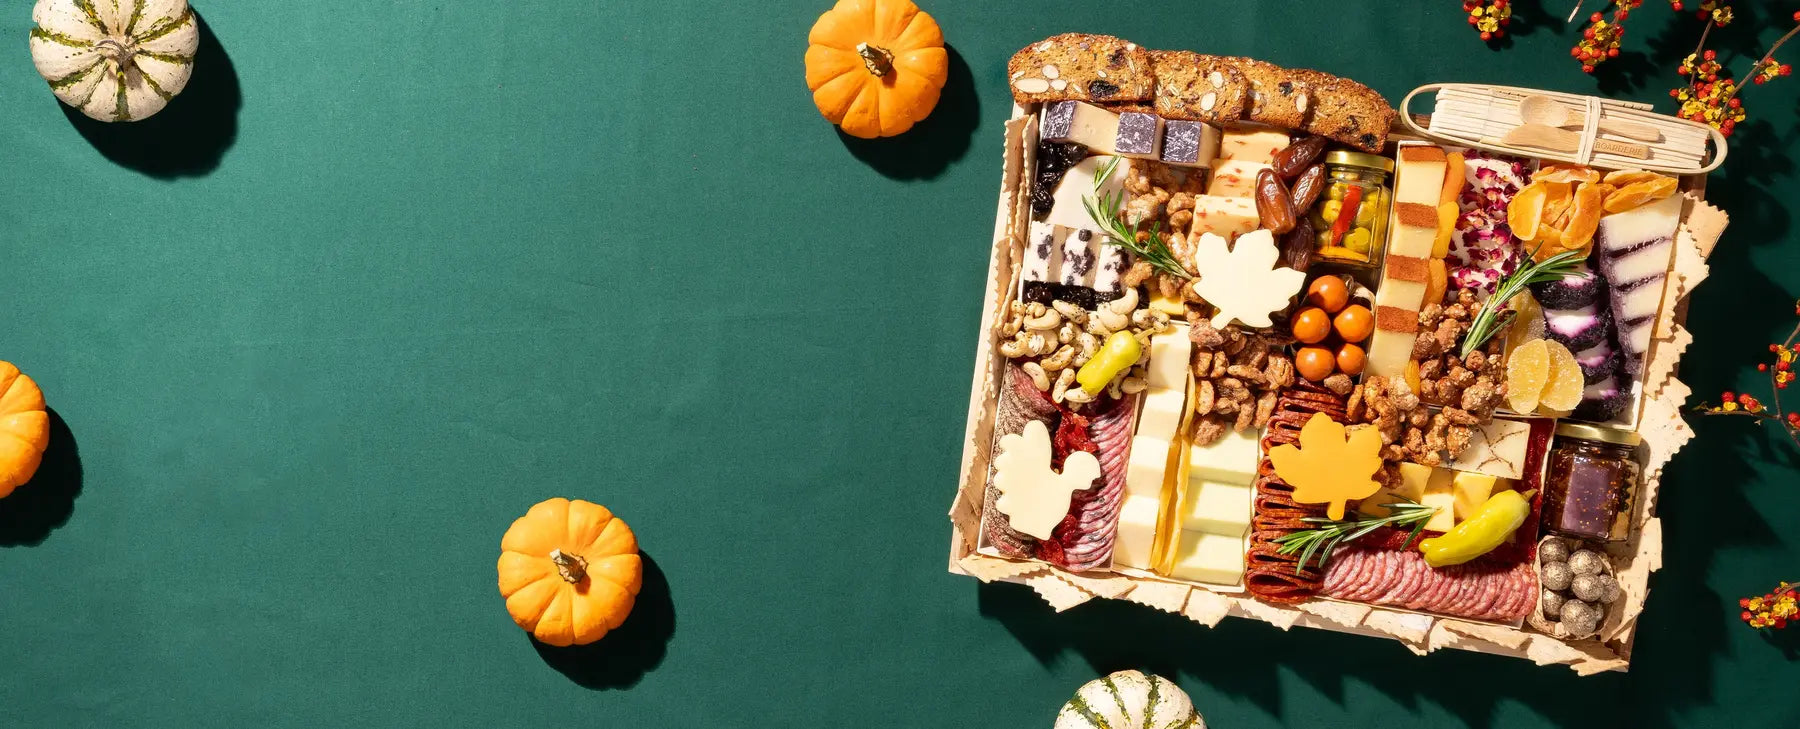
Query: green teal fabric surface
[[392, 271]]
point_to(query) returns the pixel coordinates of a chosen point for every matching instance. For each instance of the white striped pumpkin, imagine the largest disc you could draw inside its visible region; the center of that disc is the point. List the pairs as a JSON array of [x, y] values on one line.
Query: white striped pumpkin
[[1129, 700], [115, 60]]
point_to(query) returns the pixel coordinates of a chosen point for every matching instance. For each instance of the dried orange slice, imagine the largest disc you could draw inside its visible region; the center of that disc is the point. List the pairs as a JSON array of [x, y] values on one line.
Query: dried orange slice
[[1527, 371], [1621, 178], [1525, 213], [1565, 173], [1639, 193], [1563, 391]]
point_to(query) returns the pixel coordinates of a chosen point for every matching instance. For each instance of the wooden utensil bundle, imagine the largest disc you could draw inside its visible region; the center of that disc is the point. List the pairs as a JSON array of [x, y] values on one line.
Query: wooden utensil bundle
[[1608, 136]]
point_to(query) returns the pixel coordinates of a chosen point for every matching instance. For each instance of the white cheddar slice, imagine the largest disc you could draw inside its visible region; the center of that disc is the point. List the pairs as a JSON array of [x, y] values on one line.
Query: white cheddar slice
[[1227, 217], [1252, 145], [1137, 531], [1081, 123], [1211, 558], [1231, 459], [1234, 178], [1497, 448], [1415, 230], [1147, 467], [1219, 508], [1388, 353], [1169, 354], [1067, 209]]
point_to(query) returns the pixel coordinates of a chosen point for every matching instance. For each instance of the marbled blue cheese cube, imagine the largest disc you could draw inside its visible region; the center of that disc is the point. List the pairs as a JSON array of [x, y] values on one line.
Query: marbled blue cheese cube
[[1139, 135]]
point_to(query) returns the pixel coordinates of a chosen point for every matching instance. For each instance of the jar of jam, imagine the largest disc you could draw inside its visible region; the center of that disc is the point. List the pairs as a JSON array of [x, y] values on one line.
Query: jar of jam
[[1593, 479], [1351, 218]]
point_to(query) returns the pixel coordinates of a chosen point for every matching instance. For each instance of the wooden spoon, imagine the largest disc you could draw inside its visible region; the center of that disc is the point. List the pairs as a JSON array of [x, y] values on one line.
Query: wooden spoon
[[1544, 110]]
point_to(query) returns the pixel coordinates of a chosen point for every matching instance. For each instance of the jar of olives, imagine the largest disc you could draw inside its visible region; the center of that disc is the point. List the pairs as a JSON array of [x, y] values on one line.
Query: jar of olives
[[1593, 478], [1352, 216]]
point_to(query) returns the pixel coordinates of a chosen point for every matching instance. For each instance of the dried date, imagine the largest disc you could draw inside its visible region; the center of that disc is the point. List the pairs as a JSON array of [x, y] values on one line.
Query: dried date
[[1273, 205], [1306, 189], [1293, 160]]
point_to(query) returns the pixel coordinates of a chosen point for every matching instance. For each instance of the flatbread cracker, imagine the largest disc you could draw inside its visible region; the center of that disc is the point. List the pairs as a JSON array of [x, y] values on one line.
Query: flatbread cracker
[[1207, 607], [1058, 592], [988, 568], [1165, 596]]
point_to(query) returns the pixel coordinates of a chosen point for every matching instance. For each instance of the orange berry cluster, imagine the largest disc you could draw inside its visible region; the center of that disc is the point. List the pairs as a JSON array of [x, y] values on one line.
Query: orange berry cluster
[[1489, 20], [1709, 98], [1773, 610], [1600, 41]]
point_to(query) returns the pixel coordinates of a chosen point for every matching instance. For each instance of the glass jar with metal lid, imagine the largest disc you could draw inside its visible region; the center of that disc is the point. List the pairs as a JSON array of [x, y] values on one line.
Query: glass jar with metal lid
[[1351, 218], [1594, 478]]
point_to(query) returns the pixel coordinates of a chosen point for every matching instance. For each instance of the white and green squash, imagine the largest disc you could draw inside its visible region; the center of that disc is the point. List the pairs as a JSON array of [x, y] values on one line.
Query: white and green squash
[[1129, 700], [115, 60]]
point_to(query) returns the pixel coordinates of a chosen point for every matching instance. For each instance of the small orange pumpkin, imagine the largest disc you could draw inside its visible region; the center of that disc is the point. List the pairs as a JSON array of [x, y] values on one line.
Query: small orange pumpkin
[[876, 67], [24, 428], [570, 571]]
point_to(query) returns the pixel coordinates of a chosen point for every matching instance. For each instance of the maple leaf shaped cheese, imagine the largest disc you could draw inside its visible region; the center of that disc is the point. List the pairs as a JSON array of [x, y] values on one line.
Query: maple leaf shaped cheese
[[1329, 468], [1033, 497], [1242, 281]]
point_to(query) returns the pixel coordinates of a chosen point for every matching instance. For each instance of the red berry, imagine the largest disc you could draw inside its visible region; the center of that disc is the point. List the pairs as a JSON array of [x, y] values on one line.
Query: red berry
[[1473, 20], [1735, 103], [1486, 35], [1711, 55], [1762, 368], [1612, 53], [1595, 18], [1746, 616], [1587, 69], [1728, 396]]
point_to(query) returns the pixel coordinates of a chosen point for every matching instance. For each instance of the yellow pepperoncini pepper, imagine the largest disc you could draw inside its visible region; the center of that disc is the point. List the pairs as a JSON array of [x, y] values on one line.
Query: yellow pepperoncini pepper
[[1118, 354], [1496, 520]]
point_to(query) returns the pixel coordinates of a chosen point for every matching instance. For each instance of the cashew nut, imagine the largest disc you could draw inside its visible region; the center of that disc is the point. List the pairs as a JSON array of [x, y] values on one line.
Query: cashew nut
[[1132, 385], [1038, 378], [1016, 347], [1036, 343], [1067, 333], [1112, 319], [1112, 388], [1078, 396], [1061, 389], [1097, 327], [1046, 320], [1010, 327], [1035, 309], [1061, 359], [1126, 303], [1142, 319], [1070, 311]]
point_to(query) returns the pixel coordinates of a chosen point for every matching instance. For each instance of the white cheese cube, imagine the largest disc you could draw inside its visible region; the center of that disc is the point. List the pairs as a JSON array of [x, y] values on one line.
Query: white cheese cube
[[1219, 508], [1419, 176], [1231, 459], [1081, 123], [1397, 294], [1169, 355], [1160, 413], [1226, 217], [1148, 466], [1136, 537], [1415, 232], [1388, 353], [1210, 558]]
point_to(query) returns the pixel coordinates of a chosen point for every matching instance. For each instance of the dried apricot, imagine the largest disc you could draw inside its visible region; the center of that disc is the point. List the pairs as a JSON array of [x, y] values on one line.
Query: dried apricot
[[1526, 211], [1579, 233], [1564, 173], [1639, 193], [1621, 178]]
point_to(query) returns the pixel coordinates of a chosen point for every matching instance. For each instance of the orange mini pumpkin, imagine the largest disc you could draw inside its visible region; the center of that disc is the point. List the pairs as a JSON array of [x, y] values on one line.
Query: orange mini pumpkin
[[876, 67], [570, 571], [24, 428]]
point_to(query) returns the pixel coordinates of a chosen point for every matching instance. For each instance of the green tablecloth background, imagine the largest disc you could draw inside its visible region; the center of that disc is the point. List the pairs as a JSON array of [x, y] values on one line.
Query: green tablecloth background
[[392, 271]]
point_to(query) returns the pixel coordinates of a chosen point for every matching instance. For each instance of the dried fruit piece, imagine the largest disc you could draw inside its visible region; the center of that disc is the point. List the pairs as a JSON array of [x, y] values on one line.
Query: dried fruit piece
[[1557, 197], [1527, 371], [1621, 178], [1447, 214], [1412, 376], [1528, 323], [1563, 392], [1564, 173], [1526, 211], [1579, 233], [1639, 193]]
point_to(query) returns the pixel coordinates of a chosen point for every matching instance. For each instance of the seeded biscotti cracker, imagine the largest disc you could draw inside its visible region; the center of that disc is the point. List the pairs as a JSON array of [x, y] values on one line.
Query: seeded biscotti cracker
[[1081, 67], [1278, 97], [1349, 112], [1198, 87]]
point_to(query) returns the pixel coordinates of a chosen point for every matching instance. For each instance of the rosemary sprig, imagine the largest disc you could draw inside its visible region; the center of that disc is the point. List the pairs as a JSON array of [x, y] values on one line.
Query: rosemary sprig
[[1107, 209], [1491, 320], [1326, 537]]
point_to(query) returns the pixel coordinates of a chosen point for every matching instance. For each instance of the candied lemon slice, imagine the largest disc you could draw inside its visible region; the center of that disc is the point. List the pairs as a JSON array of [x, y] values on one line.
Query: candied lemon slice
[[1527, 371], [1563, 392], [1527, 324]]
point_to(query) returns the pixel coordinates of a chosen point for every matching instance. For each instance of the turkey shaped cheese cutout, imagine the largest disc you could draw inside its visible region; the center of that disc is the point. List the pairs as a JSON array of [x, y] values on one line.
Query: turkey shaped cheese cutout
[[1034, 497], [1328, 467]]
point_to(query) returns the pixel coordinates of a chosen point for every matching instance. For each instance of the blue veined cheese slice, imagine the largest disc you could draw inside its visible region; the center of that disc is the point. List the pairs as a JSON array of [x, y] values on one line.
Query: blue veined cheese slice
[[1113, 263], [1043, 252], [1080, 257]]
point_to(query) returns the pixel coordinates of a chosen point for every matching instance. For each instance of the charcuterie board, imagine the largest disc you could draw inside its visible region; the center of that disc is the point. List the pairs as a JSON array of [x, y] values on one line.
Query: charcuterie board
[[1252, 347]]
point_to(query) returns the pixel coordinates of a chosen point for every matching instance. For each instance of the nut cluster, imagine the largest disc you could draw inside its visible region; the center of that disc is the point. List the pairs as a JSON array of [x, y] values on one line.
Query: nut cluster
[[1056, 340], [1163, 198], [1476, 383], [1238, 377], [1409, 430]]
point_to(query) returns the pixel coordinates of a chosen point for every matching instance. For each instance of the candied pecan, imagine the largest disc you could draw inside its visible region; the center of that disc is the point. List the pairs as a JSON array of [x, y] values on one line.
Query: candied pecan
[[1279, 371], [1426, 349], [1181, 201], [1403, 396], [1419, 418], [1233, 388], [1339, 383], [1208, 431], [1202, 363], [1220, 362], [1245, 417], [1456, 312], [1168, 286], [1260, 357], [1475, 361], [1457, 416], [1392, 452], [1431, 369], [1457, 440], [1430, 316], [1265, 408], [1246, 373], [1203, 399], [1415, 441], [1460, 377], [1429, 458], [1481, 396], [1134, 276], [1353, 410], [1203, 334]]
